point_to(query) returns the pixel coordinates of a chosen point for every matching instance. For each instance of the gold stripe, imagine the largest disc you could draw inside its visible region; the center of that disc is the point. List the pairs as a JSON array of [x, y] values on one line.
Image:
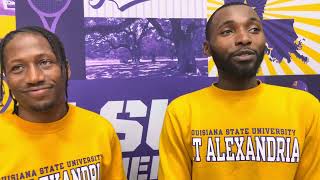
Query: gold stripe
[[8, 23], [312, 53], [306, 7], [271, 69], [210, 64], [277, 2], [286, 69], [310, 35], [212, 8], [314, 22], [215, 2], [303, 66], [260, 73], [6, 97]]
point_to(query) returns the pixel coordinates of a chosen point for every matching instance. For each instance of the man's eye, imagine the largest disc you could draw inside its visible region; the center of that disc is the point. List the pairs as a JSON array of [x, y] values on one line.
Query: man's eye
[[254, 30], [45, 63], [226, 32], [17, 68]]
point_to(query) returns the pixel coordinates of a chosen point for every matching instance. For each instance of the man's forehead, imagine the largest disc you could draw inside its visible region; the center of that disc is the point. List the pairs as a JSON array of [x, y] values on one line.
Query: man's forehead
[[26, 40], [234, 12], [26, 43], [28, 37]]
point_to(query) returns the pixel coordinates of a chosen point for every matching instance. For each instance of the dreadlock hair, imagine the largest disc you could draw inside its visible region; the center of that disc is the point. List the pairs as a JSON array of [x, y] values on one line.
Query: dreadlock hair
[[209, 23], [57, 48]]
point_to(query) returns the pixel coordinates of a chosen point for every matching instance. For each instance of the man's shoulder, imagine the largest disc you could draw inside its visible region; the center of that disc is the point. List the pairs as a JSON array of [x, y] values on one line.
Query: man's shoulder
[[89, 117], [191, 97], [291, 93], [6, 119]]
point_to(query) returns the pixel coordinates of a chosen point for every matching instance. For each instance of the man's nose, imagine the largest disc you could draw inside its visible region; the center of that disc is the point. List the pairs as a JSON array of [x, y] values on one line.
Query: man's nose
[[34, 75], [243, 38]]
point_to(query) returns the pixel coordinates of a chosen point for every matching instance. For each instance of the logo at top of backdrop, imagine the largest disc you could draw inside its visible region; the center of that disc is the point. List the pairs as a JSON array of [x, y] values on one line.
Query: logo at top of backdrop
[[292, 33], [49, 10], [7, 7], [121, 4], [6, 100]]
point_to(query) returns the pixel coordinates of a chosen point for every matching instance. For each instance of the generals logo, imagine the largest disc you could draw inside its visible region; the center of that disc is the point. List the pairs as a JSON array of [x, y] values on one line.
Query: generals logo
[[246, 144]]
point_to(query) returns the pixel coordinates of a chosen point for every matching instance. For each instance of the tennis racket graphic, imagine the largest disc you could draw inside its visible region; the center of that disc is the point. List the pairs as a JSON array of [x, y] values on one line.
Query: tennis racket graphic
[[49, 9]]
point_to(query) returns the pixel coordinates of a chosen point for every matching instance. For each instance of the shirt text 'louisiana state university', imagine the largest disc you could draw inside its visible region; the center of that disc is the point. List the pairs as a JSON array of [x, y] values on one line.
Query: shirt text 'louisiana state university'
[[247, 146]]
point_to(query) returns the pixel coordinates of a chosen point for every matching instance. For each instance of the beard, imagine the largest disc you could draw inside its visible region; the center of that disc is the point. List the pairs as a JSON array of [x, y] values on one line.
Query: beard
[[228, 67], [43, 107], [35, 105]]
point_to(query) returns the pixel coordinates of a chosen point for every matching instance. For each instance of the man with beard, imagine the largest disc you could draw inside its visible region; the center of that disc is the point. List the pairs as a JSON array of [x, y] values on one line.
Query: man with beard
[[239, 127], [45, 137]]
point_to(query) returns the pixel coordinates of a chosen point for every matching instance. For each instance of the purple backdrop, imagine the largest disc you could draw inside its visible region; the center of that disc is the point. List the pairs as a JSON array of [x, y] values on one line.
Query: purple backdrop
[[69, 27], [138, 65]]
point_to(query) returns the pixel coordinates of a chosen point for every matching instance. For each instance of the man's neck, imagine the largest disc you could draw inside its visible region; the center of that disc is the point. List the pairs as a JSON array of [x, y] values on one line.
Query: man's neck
[[235, 84], [51, 115]]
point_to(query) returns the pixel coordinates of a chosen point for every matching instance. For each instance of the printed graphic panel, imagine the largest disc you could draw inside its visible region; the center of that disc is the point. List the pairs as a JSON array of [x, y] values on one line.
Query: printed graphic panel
[[292, 32], [135, 47], [63, 17], [7, 18], [145, 8], [7, 7]]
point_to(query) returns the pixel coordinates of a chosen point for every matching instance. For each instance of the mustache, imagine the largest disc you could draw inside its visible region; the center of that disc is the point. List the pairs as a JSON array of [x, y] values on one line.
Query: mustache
[[243, 51], [36, 87]]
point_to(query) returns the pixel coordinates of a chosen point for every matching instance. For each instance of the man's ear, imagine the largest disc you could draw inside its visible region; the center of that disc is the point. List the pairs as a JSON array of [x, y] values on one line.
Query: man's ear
[[206, 48]]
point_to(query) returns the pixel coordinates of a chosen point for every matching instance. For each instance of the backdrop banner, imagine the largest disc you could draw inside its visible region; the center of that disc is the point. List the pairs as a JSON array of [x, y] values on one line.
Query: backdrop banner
[[130, 58]]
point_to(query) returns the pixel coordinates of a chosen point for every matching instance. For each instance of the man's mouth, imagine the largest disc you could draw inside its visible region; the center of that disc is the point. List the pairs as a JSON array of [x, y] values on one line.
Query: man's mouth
[[244, 55], [37, 91], [37, 88]]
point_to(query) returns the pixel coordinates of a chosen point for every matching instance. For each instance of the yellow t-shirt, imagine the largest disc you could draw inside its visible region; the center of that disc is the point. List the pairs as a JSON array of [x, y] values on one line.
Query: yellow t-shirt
[[81, 145], [267, 132]]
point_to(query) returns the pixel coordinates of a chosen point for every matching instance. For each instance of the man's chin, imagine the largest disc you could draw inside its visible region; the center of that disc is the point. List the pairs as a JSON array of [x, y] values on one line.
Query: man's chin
[[246, 75], [43, 107], [245, 70], [243, 73]]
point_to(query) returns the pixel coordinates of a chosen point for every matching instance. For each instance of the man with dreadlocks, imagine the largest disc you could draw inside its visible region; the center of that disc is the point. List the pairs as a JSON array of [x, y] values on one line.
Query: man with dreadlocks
[[239, 127], [45, 137]]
